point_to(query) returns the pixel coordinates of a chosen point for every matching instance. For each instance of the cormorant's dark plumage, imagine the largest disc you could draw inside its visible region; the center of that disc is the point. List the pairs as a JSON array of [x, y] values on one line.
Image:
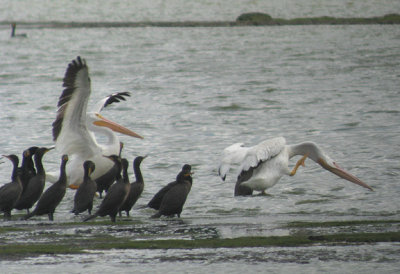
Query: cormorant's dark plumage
[[13, 34], [136, 187], [83, 199], [27, 167], [35, 185], [175, 197], [52, 197], [10, 193], [116, 194], [155, 202], [107, 179]]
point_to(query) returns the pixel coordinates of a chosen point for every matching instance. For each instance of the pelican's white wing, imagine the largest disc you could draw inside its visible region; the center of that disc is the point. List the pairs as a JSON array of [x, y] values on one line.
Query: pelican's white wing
[[262, 152], [234, 154], [69, 129]]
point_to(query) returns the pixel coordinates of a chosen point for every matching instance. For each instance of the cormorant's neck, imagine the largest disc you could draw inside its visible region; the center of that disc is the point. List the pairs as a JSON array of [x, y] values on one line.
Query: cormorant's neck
[[14, 174], [38, 164], [138, 173], [118, 175], [63, 174]]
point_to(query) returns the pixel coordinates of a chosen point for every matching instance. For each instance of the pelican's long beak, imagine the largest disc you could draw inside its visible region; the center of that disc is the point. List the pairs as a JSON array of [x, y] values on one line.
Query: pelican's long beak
[[103, 122], [343, 174]]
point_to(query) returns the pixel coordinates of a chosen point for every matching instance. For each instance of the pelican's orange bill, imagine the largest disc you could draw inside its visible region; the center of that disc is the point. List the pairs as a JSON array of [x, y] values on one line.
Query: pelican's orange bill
[[103, 122]]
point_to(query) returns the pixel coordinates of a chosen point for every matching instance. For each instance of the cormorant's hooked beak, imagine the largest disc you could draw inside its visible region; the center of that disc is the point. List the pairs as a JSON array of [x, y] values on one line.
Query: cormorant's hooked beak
[[50, 148], [103, 122], [335, 169]]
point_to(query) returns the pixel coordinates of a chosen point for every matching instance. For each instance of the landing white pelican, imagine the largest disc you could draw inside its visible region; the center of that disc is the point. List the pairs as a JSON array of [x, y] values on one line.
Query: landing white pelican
[[74, 128], [262, 165]]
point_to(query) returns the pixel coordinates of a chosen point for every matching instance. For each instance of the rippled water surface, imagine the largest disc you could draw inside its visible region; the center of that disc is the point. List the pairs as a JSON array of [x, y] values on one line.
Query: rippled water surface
[[198, 90]]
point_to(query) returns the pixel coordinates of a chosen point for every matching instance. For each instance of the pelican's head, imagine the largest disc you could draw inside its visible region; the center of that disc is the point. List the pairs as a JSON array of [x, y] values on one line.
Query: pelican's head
[[333, 167], [98, 120]]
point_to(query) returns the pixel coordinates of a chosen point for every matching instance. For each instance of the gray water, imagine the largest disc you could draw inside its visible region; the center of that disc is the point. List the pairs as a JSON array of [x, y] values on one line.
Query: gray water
[[196, 91]]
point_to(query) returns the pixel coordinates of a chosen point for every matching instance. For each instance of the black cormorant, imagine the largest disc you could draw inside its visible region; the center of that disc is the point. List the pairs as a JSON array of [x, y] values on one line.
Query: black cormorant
[[116, 194], [13, 34], [107, 179], [35, 185], [27, 167], [175, 197], [155, 202], [84, 195], [52, 197], [136, 187], [10, 193]]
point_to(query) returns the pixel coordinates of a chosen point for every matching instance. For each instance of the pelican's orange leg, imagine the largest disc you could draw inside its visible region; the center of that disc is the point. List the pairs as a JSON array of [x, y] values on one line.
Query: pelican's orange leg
[[73, 187], [298, 164]]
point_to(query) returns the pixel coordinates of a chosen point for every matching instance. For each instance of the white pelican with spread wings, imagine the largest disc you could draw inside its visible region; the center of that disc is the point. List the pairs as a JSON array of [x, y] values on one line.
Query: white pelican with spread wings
[[74, 128]]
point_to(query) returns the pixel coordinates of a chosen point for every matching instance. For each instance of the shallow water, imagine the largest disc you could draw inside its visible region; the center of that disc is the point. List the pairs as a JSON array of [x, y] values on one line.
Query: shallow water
[[198, 90]]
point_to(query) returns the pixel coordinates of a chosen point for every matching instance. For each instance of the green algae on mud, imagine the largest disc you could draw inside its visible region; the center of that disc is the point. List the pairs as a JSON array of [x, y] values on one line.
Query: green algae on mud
[[103, 235], [339, 223], [101, 243]]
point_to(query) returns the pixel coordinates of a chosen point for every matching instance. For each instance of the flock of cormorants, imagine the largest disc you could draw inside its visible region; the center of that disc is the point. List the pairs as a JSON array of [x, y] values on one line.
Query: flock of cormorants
[[28, 181]]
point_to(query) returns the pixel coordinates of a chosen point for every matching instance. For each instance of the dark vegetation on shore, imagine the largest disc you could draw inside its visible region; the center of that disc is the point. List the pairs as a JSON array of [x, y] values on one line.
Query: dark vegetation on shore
[[246, 19]]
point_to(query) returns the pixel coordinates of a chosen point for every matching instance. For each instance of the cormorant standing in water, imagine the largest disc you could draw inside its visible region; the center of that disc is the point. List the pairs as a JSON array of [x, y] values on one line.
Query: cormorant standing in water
[[35, 185], [116, 194], [10, 193], [27, 167], [155, 202], [83, 199], [52, 197], [136, 187], [107, 179], [13, 27], [174, 198]]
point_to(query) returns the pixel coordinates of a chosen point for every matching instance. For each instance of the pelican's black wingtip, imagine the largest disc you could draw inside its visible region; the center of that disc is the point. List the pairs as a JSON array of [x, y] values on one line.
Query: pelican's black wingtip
[[116, 98]]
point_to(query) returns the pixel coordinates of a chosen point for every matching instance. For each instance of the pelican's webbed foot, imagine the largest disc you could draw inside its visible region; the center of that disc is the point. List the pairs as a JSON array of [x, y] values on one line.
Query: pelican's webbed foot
[[298, 164]]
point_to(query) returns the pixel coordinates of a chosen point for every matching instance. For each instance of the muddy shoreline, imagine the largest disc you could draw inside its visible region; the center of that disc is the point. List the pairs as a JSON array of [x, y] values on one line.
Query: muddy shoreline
[[42, 238]]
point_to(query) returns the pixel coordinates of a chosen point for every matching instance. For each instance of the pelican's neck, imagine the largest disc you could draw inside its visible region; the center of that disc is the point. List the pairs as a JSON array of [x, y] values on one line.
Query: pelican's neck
[[307, 148], [112, 144]]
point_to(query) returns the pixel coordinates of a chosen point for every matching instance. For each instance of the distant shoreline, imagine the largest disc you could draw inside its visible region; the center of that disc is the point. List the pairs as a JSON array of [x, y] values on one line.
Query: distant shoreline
[[247, 19]]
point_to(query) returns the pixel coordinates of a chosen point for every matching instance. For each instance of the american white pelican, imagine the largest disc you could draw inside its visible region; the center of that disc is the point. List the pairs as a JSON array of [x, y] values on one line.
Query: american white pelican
[[74, 128], [262, 165]]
